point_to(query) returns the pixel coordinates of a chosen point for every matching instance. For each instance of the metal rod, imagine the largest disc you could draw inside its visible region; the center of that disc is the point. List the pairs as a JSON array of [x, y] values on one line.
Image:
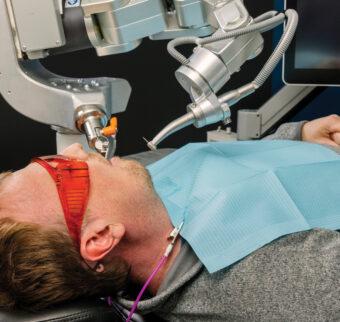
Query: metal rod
[[171, 128]]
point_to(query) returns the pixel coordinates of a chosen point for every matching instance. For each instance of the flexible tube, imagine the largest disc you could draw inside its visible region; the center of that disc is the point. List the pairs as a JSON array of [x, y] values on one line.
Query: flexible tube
[[155, 271], [177, 42], [266, 15], [286, 39], [261, 26], [234, 96], [264, 22], [172, 237]]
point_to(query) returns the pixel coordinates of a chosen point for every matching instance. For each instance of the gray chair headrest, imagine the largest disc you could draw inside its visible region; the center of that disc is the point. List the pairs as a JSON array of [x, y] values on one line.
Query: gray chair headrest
[[81, 311]]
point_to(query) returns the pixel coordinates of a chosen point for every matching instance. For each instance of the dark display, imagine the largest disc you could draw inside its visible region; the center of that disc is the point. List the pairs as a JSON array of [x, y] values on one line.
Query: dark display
[[314, 56], [317, 39]]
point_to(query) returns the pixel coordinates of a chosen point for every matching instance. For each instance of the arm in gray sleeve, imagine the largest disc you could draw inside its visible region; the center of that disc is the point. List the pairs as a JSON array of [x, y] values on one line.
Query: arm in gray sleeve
[[288, 131]]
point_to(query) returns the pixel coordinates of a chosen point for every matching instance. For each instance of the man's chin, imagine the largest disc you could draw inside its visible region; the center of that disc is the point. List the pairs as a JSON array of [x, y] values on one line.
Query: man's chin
[[135, 169]]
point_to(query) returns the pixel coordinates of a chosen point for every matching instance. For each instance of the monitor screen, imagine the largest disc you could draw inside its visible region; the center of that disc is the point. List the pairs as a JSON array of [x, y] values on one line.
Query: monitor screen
[[314, 56]]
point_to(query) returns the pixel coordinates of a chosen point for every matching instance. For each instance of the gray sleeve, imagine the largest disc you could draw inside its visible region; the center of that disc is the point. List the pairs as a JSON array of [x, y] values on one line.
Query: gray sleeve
[[295, 278], [288, 131]]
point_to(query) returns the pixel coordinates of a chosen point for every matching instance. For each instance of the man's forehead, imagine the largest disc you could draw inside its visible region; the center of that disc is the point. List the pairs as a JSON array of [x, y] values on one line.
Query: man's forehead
[[30, 195], [30, 188], [32, 175], [3, 176]]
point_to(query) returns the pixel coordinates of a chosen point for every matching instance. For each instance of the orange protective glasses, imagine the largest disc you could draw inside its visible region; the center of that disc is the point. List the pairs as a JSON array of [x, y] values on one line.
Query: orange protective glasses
[[73, 185]]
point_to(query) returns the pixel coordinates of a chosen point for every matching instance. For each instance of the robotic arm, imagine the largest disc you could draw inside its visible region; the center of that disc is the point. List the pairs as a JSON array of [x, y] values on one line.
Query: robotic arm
[[30, 30], [217, 57]]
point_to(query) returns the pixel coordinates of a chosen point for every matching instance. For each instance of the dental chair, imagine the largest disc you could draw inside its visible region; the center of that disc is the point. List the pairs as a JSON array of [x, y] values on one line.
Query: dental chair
[[80, 311]]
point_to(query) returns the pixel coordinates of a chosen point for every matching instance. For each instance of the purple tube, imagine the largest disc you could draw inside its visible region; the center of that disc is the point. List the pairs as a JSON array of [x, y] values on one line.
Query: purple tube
[[155, 271]]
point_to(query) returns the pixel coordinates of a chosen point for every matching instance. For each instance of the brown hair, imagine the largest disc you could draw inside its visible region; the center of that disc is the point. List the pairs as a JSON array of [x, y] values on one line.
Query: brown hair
[[40, 267]]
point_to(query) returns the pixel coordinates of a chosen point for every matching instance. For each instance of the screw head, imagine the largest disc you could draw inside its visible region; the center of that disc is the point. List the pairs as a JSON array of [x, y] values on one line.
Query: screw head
[[72, 2]]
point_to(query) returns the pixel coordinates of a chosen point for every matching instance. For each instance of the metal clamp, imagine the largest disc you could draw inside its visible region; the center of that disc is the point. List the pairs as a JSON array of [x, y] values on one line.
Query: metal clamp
[[91, 120]]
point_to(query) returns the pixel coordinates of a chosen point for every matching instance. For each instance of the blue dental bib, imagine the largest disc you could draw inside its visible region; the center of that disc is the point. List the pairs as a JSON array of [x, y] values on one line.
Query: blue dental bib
[[236, 197]]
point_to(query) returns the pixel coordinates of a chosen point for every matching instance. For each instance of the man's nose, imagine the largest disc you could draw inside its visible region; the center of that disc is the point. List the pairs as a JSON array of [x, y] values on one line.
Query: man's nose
[[75, 151]]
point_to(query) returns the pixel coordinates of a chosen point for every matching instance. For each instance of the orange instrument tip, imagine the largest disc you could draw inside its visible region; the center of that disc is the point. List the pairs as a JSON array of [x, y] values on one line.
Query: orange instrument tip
[[112, 129]]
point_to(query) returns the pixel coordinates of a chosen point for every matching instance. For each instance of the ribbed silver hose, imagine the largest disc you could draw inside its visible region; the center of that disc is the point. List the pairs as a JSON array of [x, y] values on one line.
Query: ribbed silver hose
[[177, 42], [171, 128], [234, 96], [286, 39], [266, 15], [261, 26], [266, 21]]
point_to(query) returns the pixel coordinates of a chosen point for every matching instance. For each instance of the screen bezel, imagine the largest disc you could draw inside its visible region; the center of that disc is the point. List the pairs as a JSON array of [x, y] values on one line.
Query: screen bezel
[[296, 76]]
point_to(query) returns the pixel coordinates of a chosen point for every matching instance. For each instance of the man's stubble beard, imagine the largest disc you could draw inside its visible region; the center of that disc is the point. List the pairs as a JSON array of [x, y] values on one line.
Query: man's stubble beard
[[137, 170]]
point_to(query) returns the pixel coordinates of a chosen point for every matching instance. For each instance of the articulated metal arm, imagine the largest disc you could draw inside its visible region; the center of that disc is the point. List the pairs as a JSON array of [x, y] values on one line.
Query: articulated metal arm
[[33, 29], [46, 97]]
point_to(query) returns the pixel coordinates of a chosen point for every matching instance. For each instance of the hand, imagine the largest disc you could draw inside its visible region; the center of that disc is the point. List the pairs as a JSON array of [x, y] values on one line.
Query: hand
[[325, 130]]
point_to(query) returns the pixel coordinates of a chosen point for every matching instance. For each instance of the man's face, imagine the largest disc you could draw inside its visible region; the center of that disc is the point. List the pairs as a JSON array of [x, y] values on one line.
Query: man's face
[[116, 186]]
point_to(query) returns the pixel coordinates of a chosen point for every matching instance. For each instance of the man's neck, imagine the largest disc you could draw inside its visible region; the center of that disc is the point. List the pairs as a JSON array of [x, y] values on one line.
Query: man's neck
[[144, 269], [145, 246]]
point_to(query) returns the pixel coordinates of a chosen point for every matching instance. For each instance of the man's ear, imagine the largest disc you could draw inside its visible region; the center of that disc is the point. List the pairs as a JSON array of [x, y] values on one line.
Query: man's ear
[[98, 239]]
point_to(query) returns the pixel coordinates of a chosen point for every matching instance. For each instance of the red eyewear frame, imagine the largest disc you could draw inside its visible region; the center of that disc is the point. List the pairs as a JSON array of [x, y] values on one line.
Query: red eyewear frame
[[73, 185]]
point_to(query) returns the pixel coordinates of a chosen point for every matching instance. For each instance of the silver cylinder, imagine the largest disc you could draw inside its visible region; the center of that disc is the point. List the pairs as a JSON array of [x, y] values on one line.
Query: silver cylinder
[[90, 119], [204, 74], [209, 111]]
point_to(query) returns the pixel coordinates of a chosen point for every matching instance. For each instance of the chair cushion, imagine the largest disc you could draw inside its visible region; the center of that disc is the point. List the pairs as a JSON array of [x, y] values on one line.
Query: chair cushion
[[80, 311]]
